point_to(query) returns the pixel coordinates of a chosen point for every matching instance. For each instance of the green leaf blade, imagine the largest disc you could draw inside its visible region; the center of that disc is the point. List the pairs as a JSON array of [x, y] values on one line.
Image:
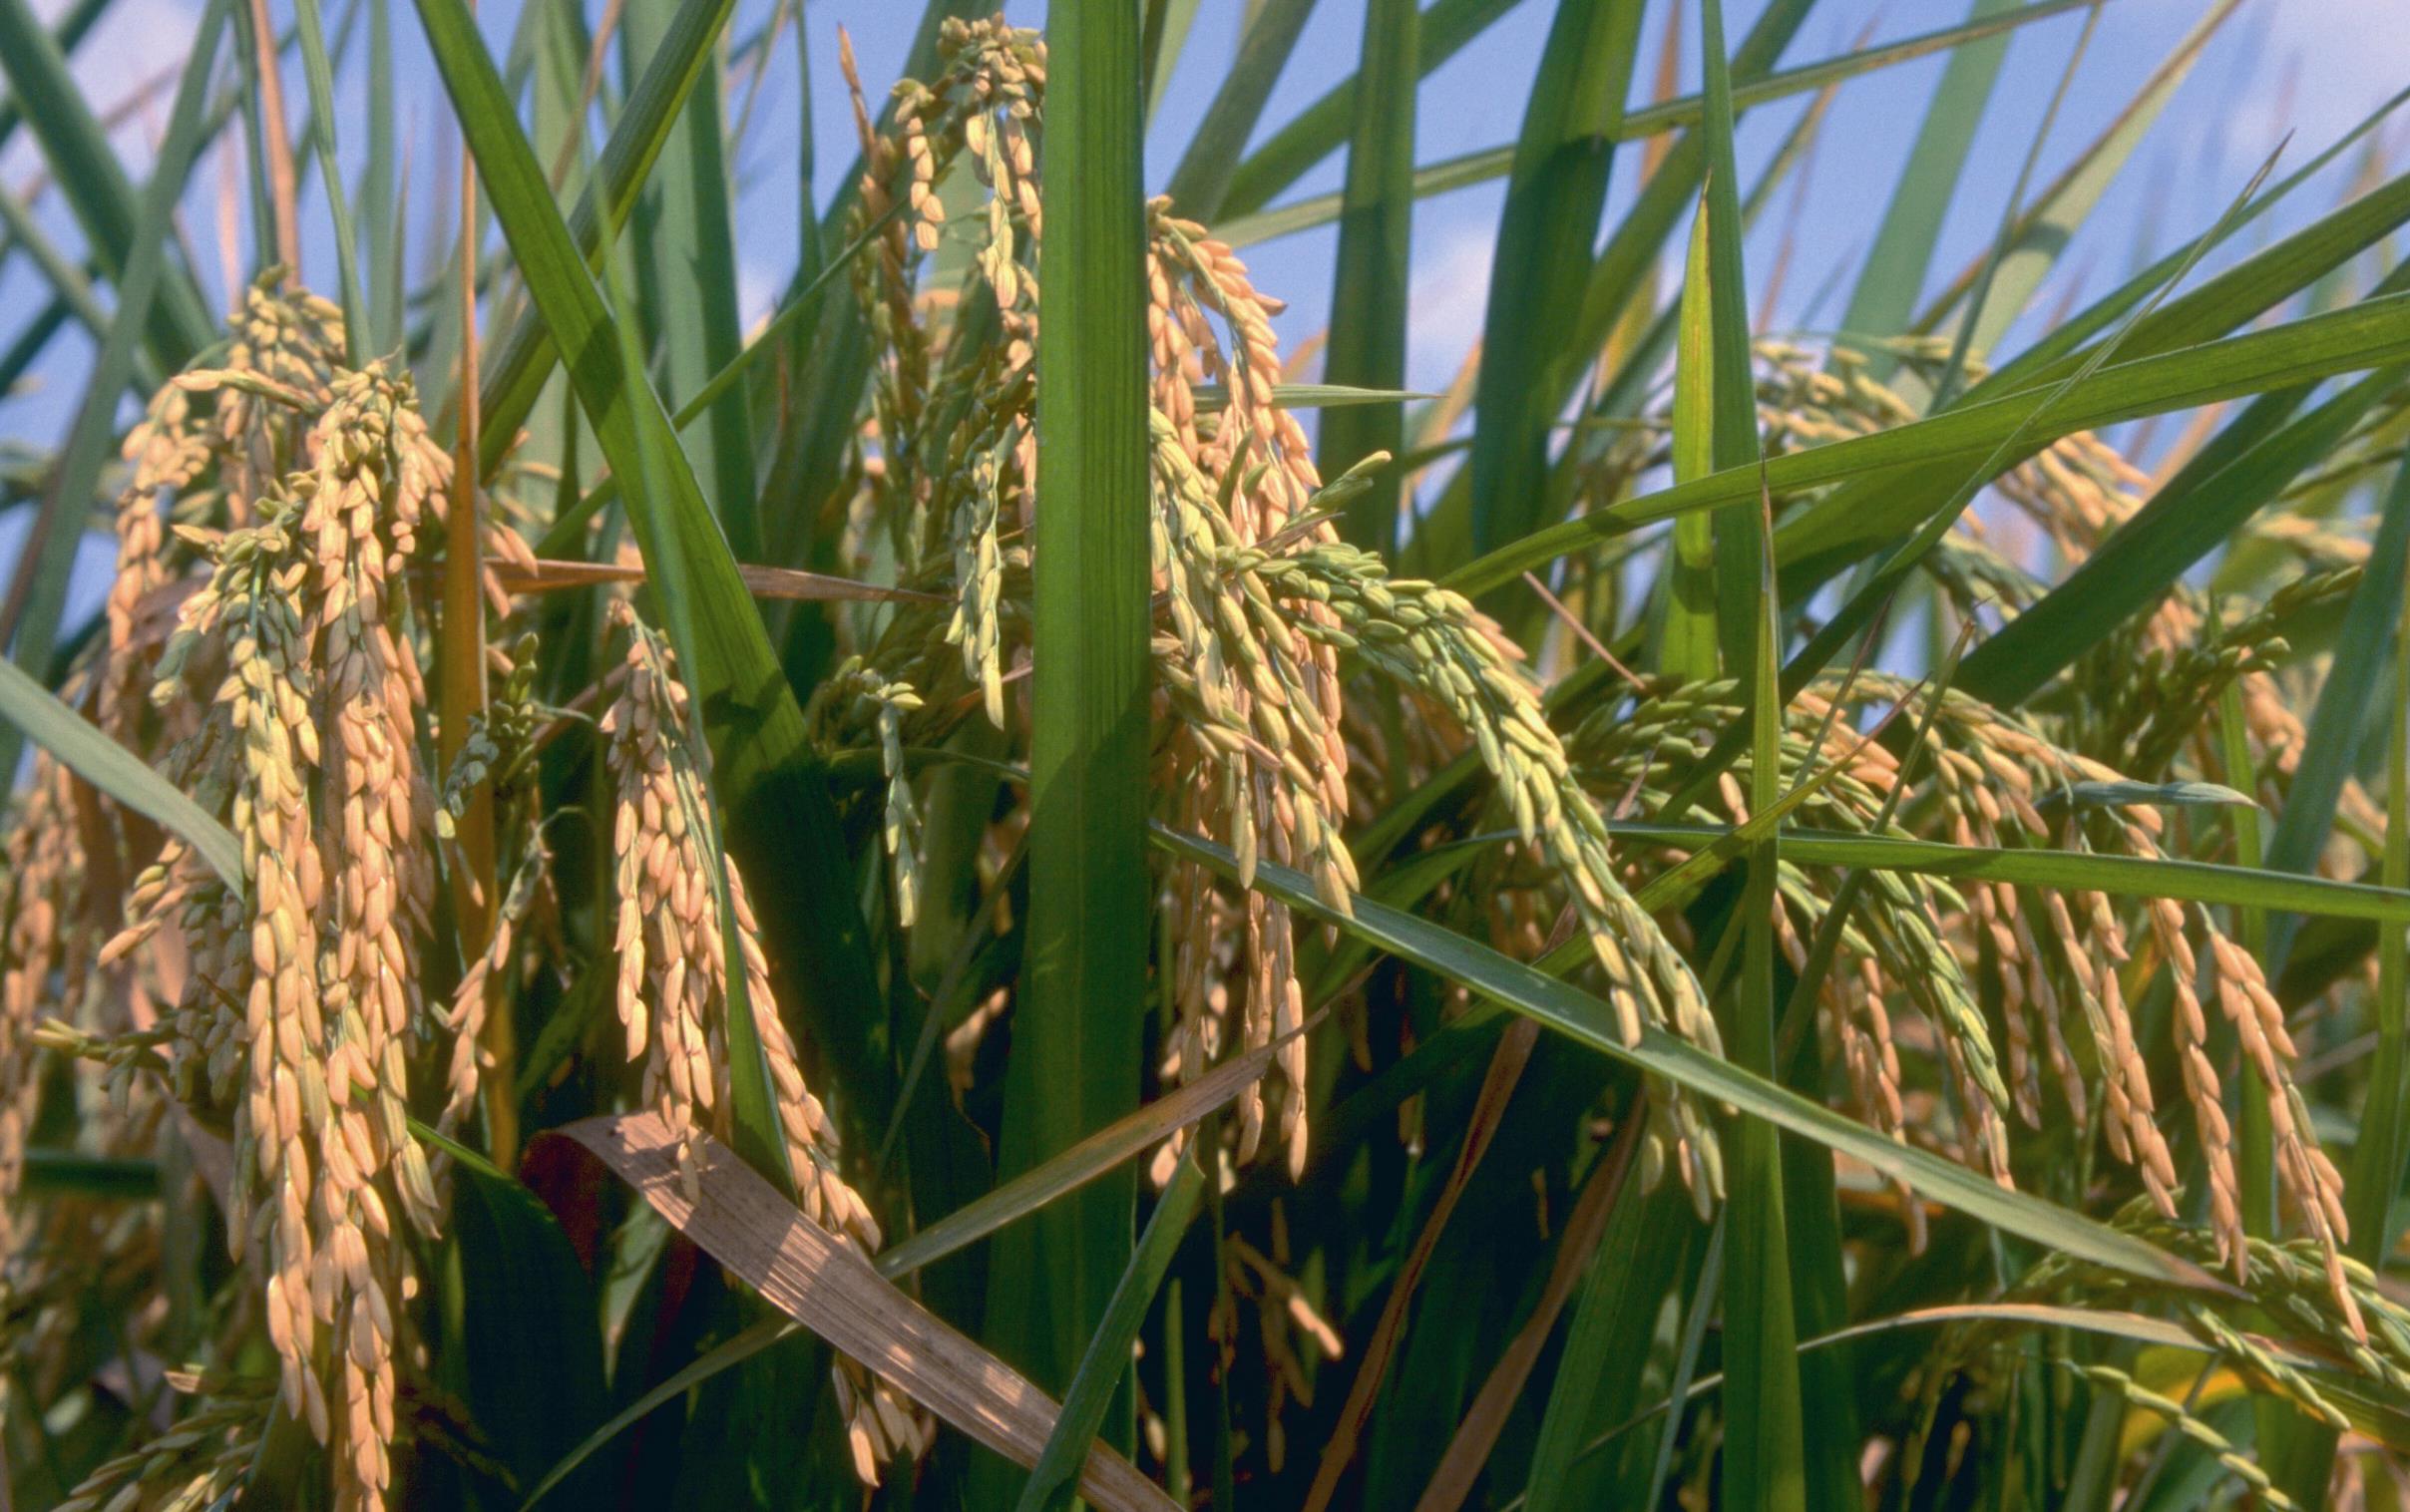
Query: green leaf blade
[[1568, 1011], [1369, 301], [1077, 1052], [1553, 198]]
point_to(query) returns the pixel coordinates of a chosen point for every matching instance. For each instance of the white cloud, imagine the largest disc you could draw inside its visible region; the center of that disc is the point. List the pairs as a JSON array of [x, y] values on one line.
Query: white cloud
[[758, 287], [2323, 66], [1450, 297]]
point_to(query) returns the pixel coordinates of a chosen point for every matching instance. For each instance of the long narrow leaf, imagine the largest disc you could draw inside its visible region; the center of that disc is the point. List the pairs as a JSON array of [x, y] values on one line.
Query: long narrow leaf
[[1486, 164], [2374, 1196], [84, 749], [1108, 1353], [2191, 516], [2377, 1156], [1689, 650], [64, 274], [1076, 1043], [94, 182], [319, 72], [1202, 179], [2117, 875], [1321, 128], [525, 354], [1602, 1197], [1732, 387], [2366, 335], [780, 820], [1117, 1144], [2340, 714], [1369, 293], [1617, 275], [2040, 234], [1545, 233], [686, 274], [1884, 296], [380, 189], [1868, 511], [2252, 285], [1573, 1012], [1638, 1261], [71, 30]]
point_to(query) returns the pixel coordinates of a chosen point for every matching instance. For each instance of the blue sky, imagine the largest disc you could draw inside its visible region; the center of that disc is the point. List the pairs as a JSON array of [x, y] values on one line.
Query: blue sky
[[2314, 66]]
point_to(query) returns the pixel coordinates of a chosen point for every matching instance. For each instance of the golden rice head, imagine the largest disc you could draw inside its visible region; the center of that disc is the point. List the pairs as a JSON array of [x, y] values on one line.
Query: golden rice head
[[1893, 949], [2060, 959], [2069, 955], [1433, 641], [674, 997], [317, 1134], [45, 933], [301, 1000], [480, 987], [982, 107], [2144, 693], [2074, 490], [1262, 759], [1252, 761], [951, 474], [1194, 278], [208, 445], [361, 503], [284, 349], [950, 447], [300, 489], [1263, 1297], [2335, 1311], [167, 449]]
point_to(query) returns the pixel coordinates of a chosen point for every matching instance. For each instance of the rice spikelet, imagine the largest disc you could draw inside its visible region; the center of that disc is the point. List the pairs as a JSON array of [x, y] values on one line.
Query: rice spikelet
[[674, 996]]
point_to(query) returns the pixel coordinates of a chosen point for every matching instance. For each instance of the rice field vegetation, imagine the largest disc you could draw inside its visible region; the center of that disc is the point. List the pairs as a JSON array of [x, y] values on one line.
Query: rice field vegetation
[[999, 877]]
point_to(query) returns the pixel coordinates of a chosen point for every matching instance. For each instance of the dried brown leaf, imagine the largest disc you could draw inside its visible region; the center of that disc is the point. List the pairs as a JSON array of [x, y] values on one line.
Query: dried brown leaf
[[821, 1283]]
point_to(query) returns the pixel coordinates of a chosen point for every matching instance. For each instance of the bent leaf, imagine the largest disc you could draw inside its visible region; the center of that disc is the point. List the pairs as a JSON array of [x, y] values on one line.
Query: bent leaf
[[92, 755], [2366, 335], [741, 1221], [1578, 1015]]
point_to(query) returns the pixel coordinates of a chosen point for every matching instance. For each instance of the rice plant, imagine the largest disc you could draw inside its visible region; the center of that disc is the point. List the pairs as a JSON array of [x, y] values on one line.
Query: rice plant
[[1001, 887]]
